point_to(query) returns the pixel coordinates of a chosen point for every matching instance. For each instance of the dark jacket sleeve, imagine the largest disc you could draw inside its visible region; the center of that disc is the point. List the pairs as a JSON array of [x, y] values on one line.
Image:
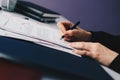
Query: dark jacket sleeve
[[115, 65], [112, 42], [108, 40]]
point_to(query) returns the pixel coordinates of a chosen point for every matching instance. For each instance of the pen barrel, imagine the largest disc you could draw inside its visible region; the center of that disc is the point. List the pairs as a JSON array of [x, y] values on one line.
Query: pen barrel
[[75, 25]]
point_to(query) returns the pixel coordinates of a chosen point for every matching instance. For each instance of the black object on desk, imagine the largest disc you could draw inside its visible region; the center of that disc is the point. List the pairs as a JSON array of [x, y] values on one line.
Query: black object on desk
[[37, 55], [36, 12]]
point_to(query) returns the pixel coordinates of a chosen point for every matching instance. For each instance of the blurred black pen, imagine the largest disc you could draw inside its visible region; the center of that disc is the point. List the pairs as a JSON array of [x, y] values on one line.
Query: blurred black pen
[[73, 27]]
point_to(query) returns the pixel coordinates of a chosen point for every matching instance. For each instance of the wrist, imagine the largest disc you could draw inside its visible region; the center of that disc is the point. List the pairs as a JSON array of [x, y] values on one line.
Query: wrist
[[111, 58], [89, 35]]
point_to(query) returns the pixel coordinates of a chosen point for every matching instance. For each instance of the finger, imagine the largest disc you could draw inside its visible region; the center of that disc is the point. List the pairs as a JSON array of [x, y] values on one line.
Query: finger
[[81, 45], [61, 33], [67, 39], [70, 38], [81, 52], [73, 32], [62, 25], [67, 33]]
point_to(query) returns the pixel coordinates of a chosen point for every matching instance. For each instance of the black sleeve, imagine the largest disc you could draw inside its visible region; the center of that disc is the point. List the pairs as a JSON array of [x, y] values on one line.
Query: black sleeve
[[112, 42], [115, 65], [108, 40]]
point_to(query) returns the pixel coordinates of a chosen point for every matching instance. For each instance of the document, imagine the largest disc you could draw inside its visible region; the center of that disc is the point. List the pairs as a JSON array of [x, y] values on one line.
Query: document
[[37, 32]]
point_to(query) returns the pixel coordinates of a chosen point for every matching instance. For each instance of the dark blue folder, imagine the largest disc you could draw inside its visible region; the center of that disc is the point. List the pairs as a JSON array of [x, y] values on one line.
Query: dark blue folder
[[33, 54]]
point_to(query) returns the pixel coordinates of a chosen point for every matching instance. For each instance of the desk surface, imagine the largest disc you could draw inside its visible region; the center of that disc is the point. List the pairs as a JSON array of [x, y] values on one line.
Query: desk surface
[[113, 74]]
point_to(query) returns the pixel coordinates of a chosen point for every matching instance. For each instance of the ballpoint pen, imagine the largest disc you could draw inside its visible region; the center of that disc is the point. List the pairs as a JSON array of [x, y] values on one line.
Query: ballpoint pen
[[73, 27]]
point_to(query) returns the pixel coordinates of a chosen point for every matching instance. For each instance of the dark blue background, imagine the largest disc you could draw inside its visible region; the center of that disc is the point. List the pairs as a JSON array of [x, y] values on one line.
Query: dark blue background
[[96, 15]]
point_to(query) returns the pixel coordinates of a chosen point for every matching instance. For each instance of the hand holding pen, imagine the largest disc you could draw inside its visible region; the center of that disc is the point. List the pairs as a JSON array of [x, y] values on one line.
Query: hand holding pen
[[70, 32], [71, 28]]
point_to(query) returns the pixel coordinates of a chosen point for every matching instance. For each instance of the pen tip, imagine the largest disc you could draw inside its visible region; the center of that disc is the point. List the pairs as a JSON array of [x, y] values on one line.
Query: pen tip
[[62, 37]]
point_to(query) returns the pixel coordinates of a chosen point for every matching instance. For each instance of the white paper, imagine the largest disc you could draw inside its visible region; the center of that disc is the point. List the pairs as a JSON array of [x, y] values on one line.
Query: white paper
[[3, 20], [36, 32]]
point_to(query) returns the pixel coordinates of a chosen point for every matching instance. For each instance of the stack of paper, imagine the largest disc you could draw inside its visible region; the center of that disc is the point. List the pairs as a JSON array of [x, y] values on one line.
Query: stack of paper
[[37, 32]]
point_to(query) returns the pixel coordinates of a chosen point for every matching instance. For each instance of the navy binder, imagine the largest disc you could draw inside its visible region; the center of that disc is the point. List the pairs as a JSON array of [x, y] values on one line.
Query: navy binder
[[33, 54]]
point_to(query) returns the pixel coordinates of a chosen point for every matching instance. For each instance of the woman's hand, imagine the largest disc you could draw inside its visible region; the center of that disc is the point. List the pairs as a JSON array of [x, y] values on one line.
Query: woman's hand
[[77, 34], [94, 50]]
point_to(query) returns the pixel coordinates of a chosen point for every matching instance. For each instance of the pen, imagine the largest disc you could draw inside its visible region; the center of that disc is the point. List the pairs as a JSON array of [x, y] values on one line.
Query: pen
[[73, 27], [0, 8]]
